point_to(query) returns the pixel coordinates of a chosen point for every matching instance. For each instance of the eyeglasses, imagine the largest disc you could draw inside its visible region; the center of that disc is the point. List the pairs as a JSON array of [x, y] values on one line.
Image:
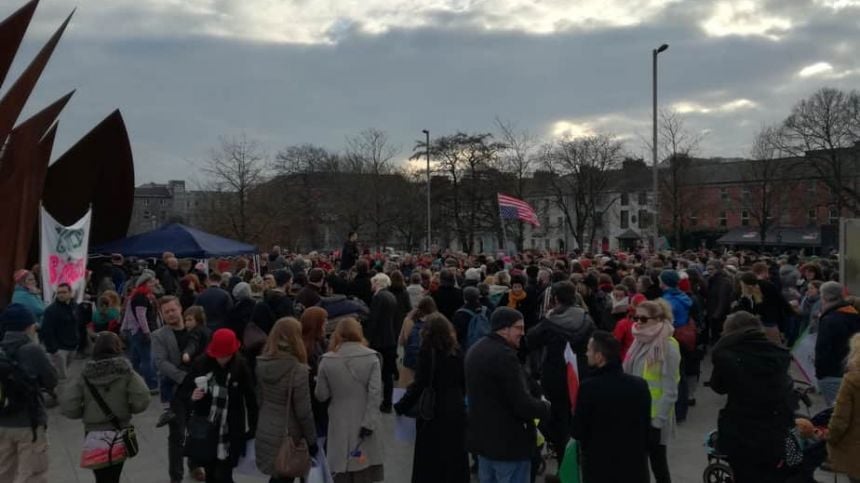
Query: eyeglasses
[[641, 318]]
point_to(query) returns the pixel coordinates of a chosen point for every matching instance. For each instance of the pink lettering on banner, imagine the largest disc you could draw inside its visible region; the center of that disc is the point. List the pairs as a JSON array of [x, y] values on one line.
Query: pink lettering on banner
[[61, 271]]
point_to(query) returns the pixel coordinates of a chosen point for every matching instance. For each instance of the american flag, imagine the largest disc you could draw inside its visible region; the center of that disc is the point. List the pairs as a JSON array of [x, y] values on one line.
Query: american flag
[[511, 208]]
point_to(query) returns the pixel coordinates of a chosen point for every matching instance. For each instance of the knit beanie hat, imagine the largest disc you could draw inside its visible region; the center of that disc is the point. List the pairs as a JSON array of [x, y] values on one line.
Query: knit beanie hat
[[144, 277], [21, 275], [504, 317], [16, 318], [670, 278]]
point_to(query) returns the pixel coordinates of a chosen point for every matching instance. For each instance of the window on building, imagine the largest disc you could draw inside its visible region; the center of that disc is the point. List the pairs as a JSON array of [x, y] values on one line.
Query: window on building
[[625, 199], [811, 216], [834, 216], [163, 202], [560, 222], [724, 194], [546, 244], [810, 187], [746, 194], [625, 219], [643, 198], [533, 243], [598, 220], [644, 219], [694, 220], [146, 202], [745, 218], [724, 220]]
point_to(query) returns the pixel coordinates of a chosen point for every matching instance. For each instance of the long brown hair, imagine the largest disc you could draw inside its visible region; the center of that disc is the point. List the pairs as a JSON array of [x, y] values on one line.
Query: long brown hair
[[286, 338], [438, 334], [347, 330], [313, 319]]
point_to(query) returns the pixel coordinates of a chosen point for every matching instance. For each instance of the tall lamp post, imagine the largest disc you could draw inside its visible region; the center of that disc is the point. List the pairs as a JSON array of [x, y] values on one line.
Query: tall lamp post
[[427, 152], [655, 52]]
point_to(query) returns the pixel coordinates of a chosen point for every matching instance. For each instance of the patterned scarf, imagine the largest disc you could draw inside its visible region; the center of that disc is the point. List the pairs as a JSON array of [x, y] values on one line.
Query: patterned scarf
[[650, 342], [218, 413]]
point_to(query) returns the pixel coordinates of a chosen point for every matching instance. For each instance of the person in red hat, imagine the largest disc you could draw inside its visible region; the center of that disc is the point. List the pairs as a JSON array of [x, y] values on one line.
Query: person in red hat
[[220, 392]]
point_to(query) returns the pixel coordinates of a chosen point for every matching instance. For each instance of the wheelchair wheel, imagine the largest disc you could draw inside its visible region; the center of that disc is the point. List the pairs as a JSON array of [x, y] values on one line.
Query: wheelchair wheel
[[717, 473]]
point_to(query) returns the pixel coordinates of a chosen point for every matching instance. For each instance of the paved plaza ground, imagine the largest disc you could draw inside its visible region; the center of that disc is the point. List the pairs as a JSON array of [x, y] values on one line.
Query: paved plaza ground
[[686, 452]]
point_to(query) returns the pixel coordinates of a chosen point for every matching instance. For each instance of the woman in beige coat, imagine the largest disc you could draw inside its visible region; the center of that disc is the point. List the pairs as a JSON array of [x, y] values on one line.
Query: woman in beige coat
[[350, 379], [282, 370], [843, 443]]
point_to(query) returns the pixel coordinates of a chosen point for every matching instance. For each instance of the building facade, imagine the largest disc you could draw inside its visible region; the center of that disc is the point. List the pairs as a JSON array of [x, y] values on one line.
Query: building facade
[[156, 205]]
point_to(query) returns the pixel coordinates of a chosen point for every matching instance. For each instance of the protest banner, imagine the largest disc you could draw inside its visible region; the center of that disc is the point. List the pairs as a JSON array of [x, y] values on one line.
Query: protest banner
[[63, 254]]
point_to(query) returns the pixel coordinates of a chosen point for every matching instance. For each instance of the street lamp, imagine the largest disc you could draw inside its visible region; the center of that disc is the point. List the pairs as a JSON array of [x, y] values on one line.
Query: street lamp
[[654, 148], [427, 152]]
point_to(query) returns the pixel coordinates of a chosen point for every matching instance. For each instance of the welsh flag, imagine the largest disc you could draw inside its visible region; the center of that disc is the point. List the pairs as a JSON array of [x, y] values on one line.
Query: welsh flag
[[572, 375]]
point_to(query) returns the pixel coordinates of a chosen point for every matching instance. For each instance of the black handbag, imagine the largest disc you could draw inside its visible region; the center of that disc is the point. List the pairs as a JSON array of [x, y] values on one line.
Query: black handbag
[[128, 434], [425, 408], [201, 440]]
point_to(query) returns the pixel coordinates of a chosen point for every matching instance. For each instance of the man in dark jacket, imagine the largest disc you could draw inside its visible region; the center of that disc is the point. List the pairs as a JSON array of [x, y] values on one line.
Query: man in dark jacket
[[379, 331], [501, 428], [721, 294], [60, 329], [360, 287], [564, 324], [23, 421], [310, 294], [216, 302], [463, 316], [613, 417], [753, 426], [276, 303], [349, 254], [839, 321], [448, 297]]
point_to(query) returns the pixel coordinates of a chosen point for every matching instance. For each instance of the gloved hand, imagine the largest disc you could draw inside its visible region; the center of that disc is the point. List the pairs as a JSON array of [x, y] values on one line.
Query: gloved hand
[[364, 432]]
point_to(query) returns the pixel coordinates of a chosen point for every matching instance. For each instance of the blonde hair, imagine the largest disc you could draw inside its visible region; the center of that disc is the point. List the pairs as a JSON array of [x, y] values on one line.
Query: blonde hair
[[286, 337], [347, 330], [853, 360], [657, 309]]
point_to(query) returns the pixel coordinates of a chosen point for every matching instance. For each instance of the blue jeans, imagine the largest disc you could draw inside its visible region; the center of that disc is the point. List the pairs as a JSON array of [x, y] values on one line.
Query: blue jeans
[[829, 388], [493, 471], [140, 353]]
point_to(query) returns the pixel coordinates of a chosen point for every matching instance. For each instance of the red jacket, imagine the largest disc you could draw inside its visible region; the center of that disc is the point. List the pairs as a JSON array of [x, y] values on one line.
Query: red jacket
[[624, 333]]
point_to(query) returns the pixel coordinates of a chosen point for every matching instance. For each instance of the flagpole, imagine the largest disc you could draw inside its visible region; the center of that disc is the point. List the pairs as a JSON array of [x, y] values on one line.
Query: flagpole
[[502, 224]]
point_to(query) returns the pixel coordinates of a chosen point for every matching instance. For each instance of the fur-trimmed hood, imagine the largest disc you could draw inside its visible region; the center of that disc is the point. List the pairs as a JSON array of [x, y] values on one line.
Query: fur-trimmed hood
[[105, 371]]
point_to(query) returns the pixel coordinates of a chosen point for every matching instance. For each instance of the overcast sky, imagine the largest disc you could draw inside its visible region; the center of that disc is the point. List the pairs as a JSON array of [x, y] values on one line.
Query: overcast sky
[[185, 72]]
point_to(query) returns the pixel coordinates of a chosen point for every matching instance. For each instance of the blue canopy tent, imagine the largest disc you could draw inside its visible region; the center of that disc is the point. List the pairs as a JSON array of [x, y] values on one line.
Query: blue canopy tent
[[183, 241]]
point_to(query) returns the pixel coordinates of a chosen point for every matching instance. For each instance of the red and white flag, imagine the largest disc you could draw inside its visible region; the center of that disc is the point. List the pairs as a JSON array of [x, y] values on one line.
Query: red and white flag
[[511, 208], [572, 375]]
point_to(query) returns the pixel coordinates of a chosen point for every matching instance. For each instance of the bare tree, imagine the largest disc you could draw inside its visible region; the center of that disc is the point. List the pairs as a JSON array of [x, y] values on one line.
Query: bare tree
[[759, 195], [580, 175], [825, 129], [679, 146], [464, 159], [235, 169], [369, 157], [517, 160]]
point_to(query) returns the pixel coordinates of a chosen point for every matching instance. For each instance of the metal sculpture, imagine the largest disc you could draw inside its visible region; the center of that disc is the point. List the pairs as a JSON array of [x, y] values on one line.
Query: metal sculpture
[[102, 158]]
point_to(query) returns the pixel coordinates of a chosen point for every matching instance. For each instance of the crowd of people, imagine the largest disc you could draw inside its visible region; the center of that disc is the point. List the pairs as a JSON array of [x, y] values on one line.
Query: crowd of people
[[306, 350]]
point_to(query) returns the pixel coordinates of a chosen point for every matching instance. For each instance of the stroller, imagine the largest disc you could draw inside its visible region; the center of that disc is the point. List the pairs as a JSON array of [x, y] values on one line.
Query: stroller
[[802, 456]]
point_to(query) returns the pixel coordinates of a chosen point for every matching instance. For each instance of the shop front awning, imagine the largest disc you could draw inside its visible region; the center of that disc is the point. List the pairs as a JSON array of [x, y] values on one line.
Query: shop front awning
[[629, 234], [775, 237]]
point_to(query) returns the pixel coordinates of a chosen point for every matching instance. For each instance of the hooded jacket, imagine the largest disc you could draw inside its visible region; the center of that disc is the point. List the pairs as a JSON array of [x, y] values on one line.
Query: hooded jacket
[[835, 328], [22, 295], [561, 325], [680, 303], [753, 372], [121, 388], [34, 361]]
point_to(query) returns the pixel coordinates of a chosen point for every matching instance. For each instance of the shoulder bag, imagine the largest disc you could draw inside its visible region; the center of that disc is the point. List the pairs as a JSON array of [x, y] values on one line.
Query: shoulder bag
[[102, 449], [293, 459]]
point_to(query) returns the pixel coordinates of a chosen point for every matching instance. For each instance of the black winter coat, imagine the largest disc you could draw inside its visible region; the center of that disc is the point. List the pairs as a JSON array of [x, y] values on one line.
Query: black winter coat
[[275, 304], [835, 328], [239, 316], [60, 327], [361, 288], [241, 395], [440, 444], [759, 412], [448, 299], [612, 422], [404, 306], [560, 326], [501, 410], [721, 294], [348, 255], [379, 328]]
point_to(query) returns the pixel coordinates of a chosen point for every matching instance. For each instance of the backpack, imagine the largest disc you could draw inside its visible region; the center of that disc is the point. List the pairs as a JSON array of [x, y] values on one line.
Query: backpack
[[479, 326], [413, 345], [18, 390]]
